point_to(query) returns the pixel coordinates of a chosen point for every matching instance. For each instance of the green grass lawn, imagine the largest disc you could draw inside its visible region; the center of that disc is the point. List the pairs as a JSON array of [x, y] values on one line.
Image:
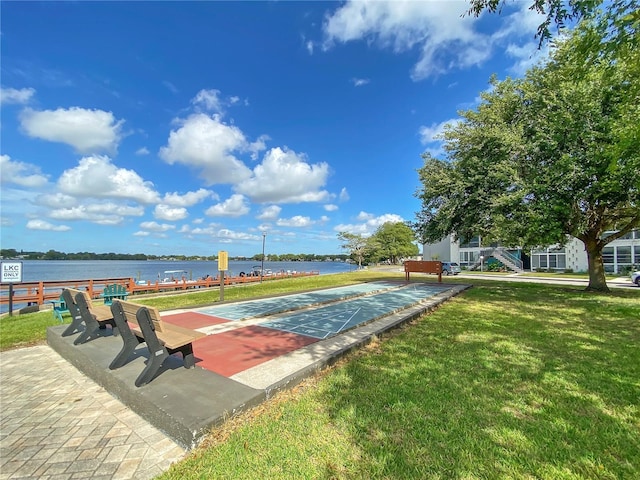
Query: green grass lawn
[[504, 381], [507, 380]]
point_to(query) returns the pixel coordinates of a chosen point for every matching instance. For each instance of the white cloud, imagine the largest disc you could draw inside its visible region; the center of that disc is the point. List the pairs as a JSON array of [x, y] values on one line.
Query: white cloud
[[258, 146], [20, 173], [209, 100], [165, 212], [235, 206], [227, 235], [142, 151], [97, 177], [87, 131], [364, 216], [296, 221], [429, 136], [446, 38], [56, 200], [188, 199], [207, 144], [368, 223], [344, 195], [210, 230], [526, 56], [436, 27], [13, 95], [170, 86], [156, 227], [46, 226], [285, 177], [359, 82], [223, 235], [102, 213], [330, 207], [269, 213]]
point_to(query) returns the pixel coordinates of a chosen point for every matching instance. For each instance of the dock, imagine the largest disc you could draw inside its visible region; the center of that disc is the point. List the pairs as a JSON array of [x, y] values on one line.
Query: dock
[[45, 292]]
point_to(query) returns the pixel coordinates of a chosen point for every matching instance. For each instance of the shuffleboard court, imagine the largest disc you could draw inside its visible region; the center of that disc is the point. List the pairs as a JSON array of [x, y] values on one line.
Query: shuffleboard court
[[330, 320], [271, 306]]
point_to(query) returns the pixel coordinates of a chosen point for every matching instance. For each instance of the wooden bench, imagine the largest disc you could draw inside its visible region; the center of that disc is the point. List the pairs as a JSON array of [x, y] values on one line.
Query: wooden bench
[[139, 323], [114, 292], [417, 266], [94, 318]]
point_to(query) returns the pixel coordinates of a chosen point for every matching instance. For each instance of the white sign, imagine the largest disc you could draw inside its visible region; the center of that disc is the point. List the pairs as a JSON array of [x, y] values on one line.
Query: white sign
[[11, 272]]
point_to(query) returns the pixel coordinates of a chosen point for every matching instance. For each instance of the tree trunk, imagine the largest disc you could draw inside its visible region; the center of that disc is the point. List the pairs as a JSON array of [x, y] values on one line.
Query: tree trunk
[[597, 279]]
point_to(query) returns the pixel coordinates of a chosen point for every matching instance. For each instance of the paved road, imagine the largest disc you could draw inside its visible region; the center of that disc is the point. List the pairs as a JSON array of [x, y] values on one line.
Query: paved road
[[619, 282]]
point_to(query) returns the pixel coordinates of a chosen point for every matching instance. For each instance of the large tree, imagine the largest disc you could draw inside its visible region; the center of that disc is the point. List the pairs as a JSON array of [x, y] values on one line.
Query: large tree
[[619, 18], [556, 153], [393, 241], [357, 245]]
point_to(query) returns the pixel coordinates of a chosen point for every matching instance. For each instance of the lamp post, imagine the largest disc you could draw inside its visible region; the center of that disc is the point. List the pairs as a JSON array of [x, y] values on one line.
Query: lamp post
[[264, 237], [481, 263]]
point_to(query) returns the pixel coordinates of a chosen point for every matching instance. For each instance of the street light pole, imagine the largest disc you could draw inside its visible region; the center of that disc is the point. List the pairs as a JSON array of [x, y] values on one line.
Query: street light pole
[[481, 263], [264, 237]]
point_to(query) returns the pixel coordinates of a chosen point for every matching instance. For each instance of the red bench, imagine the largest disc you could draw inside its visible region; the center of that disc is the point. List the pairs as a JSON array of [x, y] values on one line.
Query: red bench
[[417, 266]]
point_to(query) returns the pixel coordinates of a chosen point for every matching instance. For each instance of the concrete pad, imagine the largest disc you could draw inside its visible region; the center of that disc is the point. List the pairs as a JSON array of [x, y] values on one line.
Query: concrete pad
[[186, 403], [183, 403]]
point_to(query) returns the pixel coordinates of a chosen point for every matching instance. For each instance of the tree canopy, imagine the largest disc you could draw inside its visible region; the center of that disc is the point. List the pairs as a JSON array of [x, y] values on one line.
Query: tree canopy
[[617, 19], [355, 244], [394, 241], [556, 153], [391, 242]]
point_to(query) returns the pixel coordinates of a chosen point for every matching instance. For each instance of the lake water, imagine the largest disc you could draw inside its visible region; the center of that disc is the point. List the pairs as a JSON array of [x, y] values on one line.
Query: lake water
[[42, 270], [37, 270]]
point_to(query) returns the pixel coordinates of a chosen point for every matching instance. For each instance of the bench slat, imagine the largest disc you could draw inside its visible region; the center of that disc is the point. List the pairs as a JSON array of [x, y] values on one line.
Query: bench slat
[[172, 336]]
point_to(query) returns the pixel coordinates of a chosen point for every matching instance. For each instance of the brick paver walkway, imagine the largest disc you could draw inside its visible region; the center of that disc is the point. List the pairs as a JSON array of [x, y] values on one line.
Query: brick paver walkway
[[55, 423]]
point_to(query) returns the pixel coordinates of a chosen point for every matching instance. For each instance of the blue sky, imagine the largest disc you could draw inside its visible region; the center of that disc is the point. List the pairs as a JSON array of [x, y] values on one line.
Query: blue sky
[[193, 127]]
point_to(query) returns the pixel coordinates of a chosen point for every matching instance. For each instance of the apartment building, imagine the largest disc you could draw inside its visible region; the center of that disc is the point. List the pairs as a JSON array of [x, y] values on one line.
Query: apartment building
[[618, 256]]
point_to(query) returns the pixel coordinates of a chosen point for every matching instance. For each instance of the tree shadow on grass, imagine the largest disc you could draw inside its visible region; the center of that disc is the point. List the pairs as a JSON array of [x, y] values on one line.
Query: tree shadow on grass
[[502, 383]]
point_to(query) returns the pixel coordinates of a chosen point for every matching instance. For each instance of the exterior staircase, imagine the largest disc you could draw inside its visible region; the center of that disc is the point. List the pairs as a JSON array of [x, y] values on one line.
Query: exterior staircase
[[507, 258]]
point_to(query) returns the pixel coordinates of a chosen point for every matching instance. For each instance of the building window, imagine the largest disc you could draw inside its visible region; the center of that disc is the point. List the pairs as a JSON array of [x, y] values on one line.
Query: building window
[[472, 243], [562, 261], [607, 255], [535, 261], [623, 255]]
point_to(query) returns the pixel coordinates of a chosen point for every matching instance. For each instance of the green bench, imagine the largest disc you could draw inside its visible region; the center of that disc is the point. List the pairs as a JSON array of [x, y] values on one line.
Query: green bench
[[113, 292], [59, 308]]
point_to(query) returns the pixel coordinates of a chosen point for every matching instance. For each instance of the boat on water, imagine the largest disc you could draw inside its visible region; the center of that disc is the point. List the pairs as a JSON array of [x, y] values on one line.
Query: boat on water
[[172, 276]]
